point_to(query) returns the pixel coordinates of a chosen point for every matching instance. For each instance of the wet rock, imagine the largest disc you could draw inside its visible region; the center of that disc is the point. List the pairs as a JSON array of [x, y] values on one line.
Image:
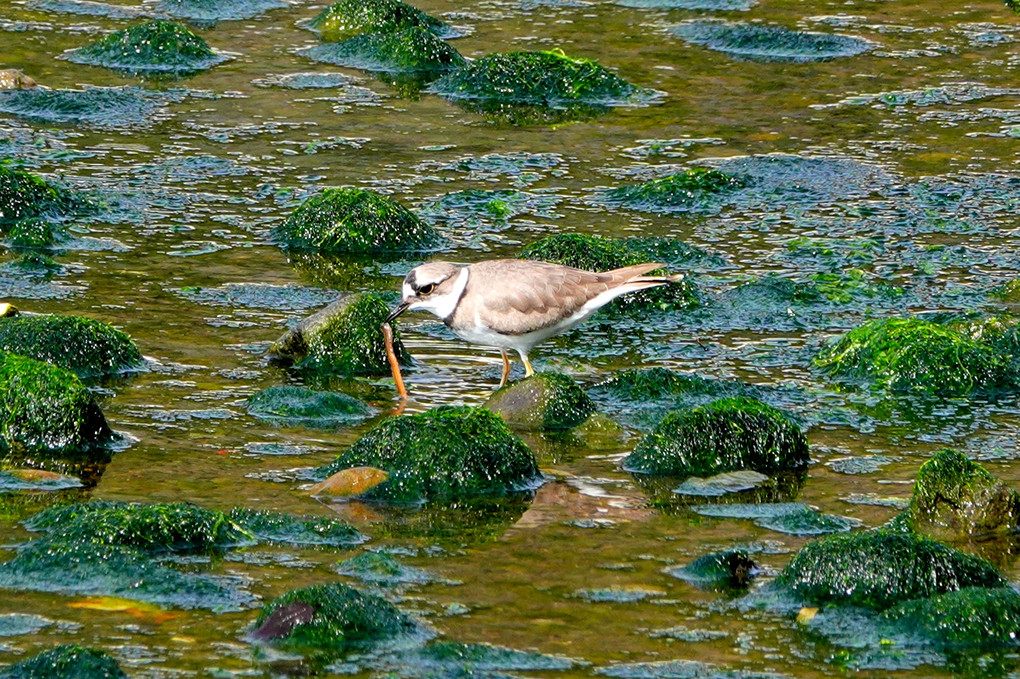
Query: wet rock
[[68, 661], [445, 454], [26, 197], [973, 617], [790, 518], [212, 11], [344, 338], [101, 107], [13, 79], [409, 51], [46, 410], [599, 253], [914, 355], [349, 18], [296, 530], [451, 659], [544, 401], [150, 48], [340, 619], [755, 42], [86, 347], [710, 5], [294, 406], [689, 191], [956, 499], [730, 569], [724, 435], [382, 569], [722, 484], [547, 79], [354, 221], [36, 480], [878, 569]]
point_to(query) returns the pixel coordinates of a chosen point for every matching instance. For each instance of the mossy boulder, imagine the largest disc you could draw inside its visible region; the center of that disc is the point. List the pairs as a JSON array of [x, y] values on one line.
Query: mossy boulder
[[294, 406], [349, 220], [599, 253], [689, 190], [35, 232], [46, 410], [725, 435], [25, 196], [348, 18], [914, 355], [152, 47], [330, 619], [66, 662], [544, 401], [344, 338], [955, 499], [86, 347], [413, 51], [547, 79], [731, 568], [973, 617], [881, 568], [445, 454]]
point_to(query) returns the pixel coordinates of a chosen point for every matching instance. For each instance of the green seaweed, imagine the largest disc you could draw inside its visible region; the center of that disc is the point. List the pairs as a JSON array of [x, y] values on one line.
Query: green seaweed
[[445, 454], [881, 568], [348, 18], [296, 530], [345, 338], [153, 47], [973, 617], [24, 196], [724, 435], [66, 662], [291, 405], [544, 401], [412, 50], [34, 232], [688, 190], [914, 355], [349, 220], [86, 347]]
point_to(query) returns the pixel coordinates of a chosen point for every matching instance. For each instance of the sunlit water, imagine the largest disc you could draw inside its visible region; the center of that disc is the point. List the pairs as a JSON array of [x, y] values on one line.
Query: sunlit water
[[919, 190]]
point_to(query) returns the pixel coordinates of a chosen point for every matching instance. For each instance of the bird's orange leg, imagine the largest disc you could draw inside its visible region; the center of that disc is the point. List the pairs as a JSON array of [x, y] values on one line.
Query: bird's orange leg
[[528, 370], [506, 368]]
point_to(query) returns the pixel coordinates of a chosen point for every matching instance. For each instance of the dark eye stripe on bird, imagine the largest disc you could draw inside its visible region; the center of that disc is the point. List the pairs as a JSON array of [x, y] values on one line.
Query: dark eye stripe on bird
[[515, 304]]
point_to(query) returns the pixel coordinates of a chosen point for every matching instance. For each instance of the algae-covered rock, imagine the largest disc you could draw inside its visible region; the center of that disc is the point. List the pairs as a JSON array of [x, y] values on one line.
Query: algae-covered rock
[[86, 347], [101, 107], [350, 220], [448, 453], [756, 42], [344, 338], [686, 191], [66, 662], [878, 569], [973, 617], [297, 406], [544, 401], [152, 47], [330, 619], [914, 355], [955, 498], [409, 51], [25, 196], [382, 569], [296, 530], [348, 18], [548, 79], [46, 410], [34, 233], [599, 253], [724, 435], [731, 568]]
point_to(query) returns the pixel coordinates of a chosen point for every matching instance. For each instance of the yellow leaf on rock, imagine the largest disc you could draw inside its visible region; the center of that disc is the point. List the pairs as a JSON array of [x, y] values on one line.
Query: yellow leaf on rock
[[350, 482]]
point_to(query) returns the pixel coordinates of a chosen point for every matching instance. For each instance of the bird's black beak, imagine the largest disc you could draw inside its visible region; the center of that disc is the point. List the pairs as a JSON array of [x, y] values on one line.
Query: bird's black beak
[[399, 309]]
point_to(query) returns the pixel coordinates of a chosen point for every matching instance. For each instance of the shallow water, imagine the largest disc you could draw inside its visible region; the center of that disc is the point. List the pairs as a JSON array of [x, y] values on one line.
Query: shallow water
[[905, 168]]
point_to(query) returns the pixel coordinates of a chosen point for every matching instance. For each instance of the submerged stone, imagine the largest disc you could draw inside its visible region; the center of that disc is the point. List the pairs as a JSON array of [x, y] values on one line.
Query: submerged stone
[[721, 484], [86, 347], [914, 355], [382, 569], [956, 499], [295, 406], [66, 662], [330, 619], [348, 18], [211, 11], [149, 48], [409, 51], [445, 454], [24, 196], [46, 410], [600, 253], [102, 107], [544, 401], [878, 569], [724, 435], [688, 191], [13, 79], [731, 568], [456, 659], [756, 42], [548, 79], [296, 530], [645, 384], [344, 338], [973, 617], [351, 220], [709, 5]]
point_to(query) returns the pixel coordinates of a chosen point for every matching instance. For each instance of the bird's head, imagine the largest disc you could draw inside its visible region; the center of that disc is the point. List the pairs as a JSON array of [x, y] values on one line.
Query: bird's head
[[435, 287]]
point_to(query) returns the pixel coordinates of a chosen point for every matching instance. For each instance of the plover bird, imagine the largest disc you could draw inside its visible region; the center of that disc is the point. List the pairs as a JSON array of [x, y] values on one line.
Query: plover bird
[[515, 304]]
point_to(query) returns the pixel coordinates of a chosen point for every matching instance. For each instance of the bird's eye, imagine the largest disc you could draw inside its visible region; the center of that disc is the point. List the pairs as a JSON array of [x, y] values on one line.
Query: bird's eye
[[427, 289]]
